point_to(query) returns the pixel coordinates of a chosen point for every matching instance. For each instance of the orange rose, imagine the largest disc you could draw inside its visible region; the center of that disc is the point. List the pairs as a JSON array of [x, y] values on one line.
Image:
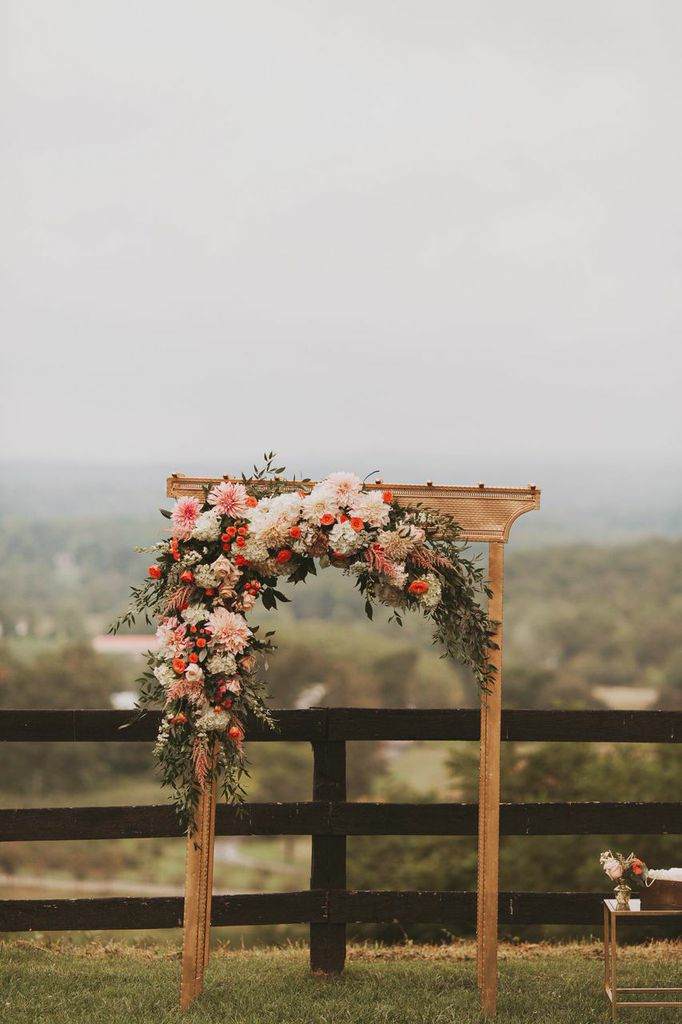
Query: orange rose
[[295, 532], [327, 519], [179, 665], [418, 587], [283, 556], [251, 502], [388, 497], [155, 572], [357, 524]]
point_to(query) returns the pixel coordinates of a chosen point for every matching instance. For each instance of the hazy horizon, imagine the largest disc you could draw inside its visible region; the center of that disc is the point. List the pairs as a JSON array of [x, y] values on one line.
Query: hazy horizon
[[372, 237]]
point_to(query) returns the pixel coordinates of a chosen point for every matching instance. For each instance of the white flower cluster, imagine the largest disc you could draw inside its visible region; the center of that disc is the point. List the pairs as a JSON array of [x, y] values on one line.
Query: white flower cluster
[[207, 526], [221, 662], [205, 577]]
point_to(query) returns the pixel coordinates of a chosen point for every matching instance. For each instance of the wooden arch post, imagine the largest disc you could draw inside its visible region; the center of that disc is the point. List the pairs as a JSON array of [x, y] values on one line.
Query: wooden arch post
[[485, 515]]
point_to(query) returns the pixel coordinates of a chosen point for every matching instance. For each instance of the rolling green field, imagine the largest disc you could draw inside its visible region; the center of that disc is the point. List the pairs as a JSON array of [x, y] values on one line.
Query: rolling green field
[[416, 984]]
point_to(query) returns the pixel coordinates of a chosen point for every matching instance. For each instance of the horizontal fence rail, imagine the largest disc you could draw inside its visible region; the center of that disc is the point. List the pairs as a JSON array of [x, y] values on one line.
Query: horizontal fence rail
[[321, 818], [328, 906], [360, 724], [308, 906]]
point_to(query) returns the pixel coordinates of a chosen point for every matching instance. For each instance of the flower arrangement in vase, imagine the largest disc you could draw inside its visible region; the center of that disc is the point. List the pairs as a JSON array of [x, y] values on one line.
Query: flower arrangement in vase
[[626, 872]]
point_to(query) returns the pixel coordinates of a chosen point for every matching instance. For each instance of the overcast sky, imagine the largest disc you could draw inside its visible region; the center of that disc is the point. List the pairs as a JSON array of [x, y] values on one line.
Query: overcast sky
[[365, 233]]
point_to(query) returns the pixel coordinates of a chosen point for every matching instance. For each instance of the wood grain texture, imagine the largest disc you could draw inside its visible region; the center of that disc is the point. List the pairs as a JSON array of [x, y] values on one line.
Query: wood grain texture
[[198, 893], [489, 795]]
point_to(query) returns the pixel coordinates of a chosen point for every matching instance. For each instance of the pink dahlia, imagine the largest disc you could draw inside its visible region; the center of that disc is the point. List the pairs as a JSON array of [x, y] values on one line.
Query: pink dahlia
[[229, 499], [229, 630], [184, 516]]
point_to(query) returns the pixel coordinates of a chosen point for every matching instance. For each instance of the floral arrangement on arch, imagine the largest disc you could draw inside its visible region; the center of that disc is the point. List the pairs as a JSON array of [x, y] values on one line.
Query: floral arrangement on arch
[[229, 551]]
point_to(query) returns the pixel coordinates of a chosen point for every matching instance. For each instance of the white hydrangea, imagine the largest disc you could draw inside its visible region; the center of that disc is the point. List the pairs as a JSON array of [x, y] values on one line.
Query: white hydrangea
[[207, 526], [165, 674], [255, 550], [190, 558], [344, 539], [194, 614], [222, 662], [205, 577], [371, 508], [213, 721], [432, 597]]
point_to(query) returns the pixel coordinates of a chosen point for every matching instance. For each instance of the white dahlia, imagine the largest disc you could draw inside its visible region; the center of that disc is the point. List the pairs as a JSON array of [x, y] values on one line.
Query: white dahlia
[[371, 508], [344, 486], [320, 502]]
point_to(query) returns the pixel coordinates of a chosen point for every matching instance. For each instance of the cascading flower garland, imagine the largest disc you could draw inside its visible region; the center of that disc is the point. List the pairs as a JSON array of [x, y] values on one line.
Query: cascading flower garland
[[228, 551]]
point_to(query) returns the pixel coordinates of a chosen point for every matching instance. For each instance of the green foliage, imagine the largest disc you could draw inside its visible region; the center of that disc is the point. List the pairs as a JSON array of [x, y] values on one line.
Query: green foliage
[[101, 984]]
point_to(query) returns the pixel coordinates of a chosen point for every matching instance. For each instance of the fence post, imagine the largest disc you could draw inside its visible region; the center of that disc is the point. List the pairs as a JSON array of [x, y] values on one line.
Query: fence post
[[328, 856]]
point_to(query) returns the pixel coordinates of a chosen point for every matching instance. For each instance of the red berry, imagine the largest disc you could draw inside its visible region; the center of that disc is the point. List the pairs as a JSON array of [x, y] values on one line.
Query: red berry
[[240, 560], [240, 542], [242, 531]]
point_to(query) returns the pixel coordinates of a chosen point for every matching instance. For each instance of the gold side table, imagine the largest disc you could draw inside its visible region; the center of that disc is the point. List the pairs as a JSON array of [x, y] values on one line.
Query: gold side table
[[611, 988]]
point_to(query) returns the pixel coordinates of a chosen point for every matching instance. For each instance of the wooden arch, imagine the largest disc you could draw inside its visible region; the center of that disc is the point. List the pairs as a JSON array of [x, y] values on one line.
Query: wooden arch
[[484, 514]]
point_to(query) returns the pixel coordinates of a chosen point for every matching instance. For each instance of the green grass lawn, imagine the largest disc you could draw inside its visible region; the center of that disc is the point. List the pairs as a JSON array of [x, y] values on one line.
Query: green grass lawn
[[62, 984]]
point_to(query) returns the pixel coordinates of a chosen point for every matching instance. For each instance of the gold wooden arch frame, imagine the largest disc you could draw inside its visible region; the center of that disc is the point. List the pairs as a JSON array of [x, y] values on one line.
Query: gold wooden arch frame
[[485, 515]]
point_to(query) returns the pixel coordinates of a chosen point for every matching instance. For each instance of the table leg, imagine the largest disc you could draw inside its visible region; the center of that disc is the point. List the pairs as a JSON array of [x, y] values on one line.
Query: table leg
[[607, 939], [612, 962]]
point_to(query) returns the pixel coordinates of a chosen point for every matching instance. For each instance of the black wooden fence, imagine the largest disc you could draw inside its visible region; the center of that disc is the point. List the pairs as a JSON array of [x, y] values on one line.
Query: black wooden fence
[[328, 906]]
